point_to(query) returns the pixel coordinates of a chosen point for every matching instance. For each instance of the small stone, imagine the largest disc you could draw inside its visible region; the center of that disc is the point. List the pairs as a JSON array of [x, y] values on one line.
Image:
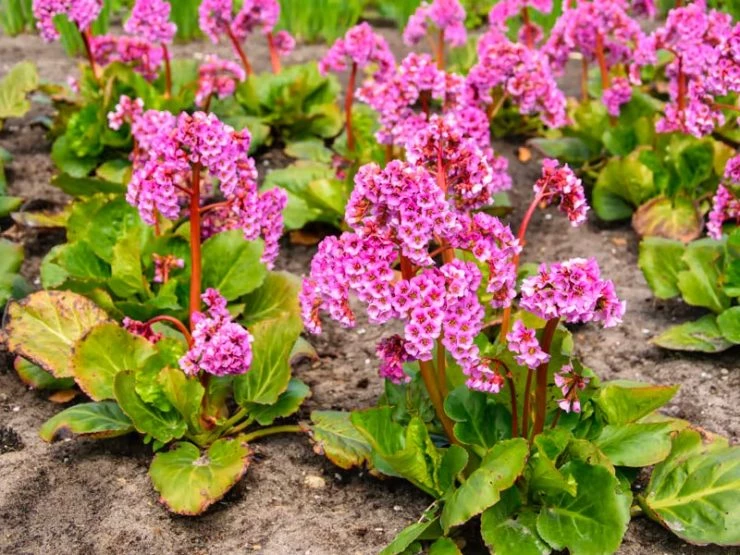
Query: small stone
[[361, 331], [645, 330], [314, 482], [367, 362], [548, 216], [397, 508], [724, 371]]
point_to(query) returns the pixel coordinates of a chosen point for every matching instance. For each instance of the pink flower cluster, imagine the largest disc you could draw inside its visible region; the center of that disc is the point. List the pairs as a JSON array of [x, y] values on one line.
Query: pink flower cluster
[[163, 265], [574, 292], [126, 111], [725, 205], [220, 346], [706, 48], [522, 341], [144, 56], [448, 16], [360, 46], [142, 329], [150, 20], [530, 32], [523, 74], [255, 14], [202, 141], [560, 184], [392, 354], [217, 77], [601, 29], [80, 12], [570, 384]]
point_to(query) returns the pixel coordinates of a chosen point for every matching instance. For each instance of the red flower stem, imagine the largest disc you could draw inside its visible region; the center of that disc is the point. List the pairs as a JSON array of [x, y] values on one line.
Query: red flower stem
[[528, 36], [721, 106], [274, 56], [541, 391], [195, 270], [157, 231], [388, 153], [88, 50], [207, 105], [215, 206], [440, 56], [240, 52], [526, 406], [602, 61], [348, 101], [424, 97], [557, 414], [514, 407], [183, 189], [494, 109], [167, 72], [175, 322]]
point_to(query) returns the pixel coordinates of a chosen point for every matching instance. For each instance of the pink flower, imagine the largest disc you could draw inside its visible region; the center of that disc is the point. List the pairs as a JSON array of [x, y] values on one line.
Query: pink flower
[[360, 46], [570, 384], [126, 111], [142, 55], [447, 15], [393, 355], [725, 205], [522, 341], [574, 292], [220, 346], [163, 265], [150, 20], [560, 184], [142, 329], [80, 12], [217, 77], [620, 92], [284, 43], [482, 378], [214, 18], [262, 14]]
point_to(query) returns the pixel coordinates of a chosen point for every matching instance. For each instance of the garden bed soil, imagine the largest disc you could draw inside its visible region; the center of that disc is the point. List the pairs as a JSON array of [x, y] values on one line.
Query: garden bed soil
[[96, 497]]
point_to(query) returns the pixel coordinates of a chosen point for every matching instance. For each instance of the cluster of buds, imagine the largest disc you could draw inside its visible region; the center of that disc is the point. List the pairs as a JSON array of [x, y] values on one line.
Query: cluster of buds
[[530, 33], [144, 57], [570, 384], [726, 205], [448, 16], [217, 77], [80, 12]]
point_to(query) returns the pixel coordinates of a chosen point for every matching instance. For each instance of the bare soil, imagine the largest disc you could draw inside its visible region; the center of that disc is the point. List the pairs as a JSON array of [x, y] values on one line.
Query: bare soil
[[95, 497]]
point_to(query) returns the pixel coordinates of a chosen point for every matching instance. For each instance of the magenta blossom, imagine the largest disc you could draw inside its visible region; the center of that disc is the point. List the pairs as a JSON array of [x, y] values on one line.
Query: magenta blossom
[[255, 15], [392, 353], [80, 12], [574, 292], [560, 185], [143, 56], [725, 205], [163, 265], [126, 111], [570, 384], [448, 16], [522, 341], [142, 329], [150, 20], [360, 46], [217, 77], [215, 17], [220, 346]]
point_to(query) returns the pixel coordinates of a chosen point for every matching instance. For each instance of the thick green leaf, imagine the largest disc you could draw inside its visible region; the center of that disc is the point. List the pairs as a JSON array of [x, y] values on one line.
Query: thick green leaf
[[454, 460], [74, 266], [622, 185], [275, 299], [477, 421], [269, 374], [700, 284], [127, 276], [498, 471], [677, 218], [428, 525], [96, 420], [309, 149], [103, 352], [288, 403], [75, 183], [660, 262], [147, 419], [115, 171], [542, 473], [183, 392], [189, 481], [594, 521], [624, 401], [444, 546], [729, 324], [17, 83], [231, 264], [36, 377], [335, 436], [11, 259], [695, 492], [635, 444], [702, 335], [510, 529], [398, 451], [45, 326], [567, 149], [7, 204]]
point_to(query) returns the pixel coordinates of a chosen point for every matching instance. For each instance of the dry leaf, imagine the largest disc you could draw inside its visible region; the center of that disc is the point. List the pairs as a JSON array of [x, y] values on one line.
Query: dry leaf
[[63, 396], [524, 154], [619, 241], [303, 238]]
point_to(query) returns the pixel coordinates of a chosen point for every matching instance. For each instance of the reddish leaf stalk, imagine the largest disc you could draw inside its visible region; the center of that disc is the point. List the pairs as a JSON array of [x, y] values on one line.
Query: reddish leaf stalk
[[215, 206], [274, 55], [88, 50], [348, 101], [541, 391], [681, 78], [195, 220], [167, 72], [240, 52], [526, 406], [528, 36], [440, 55], [175, 322], [601, 58]]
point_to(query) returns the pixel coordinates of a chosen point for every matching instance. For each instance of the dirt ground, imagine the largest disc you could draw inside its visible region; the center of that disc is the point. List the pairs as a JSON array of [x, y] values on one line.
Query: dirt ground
[[95, 497]]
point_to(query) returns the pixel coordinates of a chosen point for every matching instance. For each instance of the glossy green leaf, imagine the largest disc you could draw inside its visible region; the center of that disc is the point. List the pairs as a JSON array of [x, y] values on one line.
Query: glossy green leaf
[[232, 265], [334, 436], [542, 473], [594, 521], [288, 403], [11, 260], [700, 283], [275, 299], [127, 277], [444, 546], [702, 335], [510, 529], [624, 401], [635, 444], [45, 326], [498, 471], [103, 352], [568, 149], [36, 377], [147, 419], [269, 374], [660, 262], [309, 149], [671, 218], [622, 185], [454, 460], [115, 171], [21, 79], [729, 324], [96, 420], [428, 525], [183, 392], [477, 421], [695, 492], [73, 166], [189, 481]]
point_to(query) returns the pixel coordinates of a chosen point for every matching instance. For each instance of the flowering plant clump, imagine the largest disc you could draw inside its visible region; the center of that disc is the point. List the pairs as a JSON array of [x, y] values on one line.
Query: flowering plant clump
[[198, 366], [487, 409]]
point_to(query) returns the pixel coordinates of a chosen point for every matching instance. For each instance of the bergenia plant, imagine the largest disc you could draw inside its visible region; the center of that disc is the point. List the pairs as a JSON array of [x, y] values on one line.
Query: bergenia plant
[[442, 22], [530, 33], [486, 408], [217, 20], [704, 273], [199, 384]]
